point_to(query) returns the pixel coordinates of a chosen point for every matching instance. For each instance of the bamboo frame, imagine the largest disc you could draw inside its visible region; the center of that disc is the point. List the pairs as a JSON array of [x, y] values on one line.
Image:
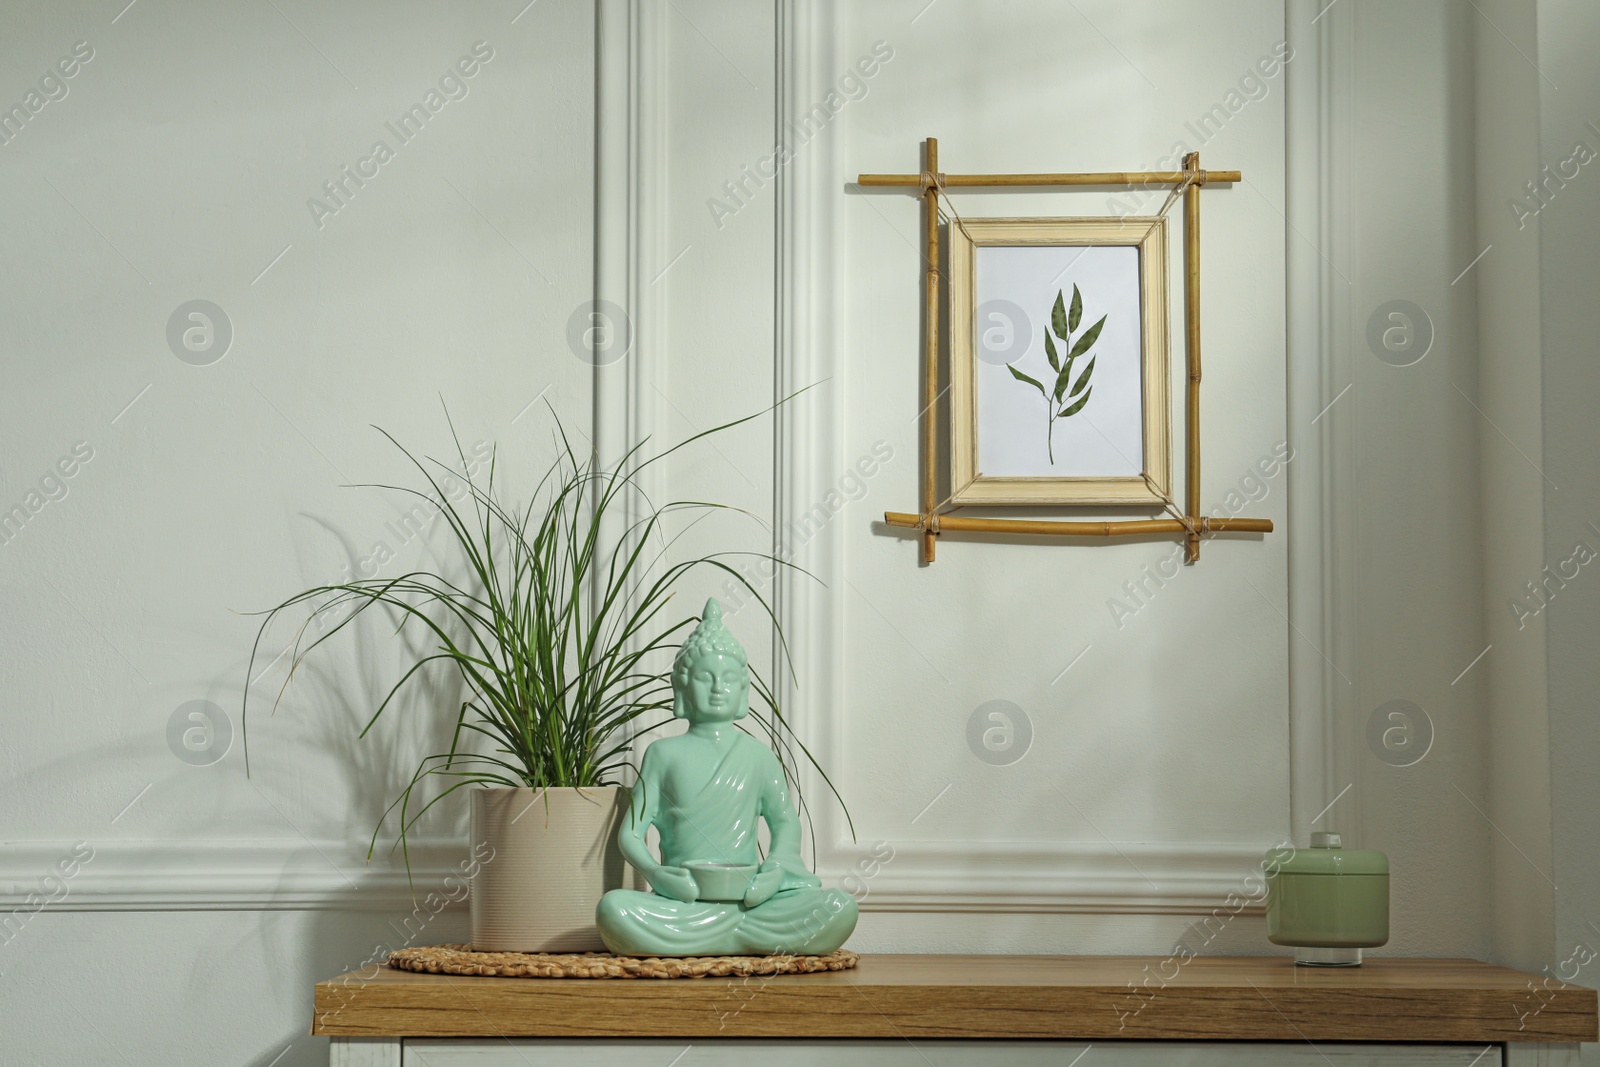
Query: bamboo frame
[[1191, 308], [1192, 525], [930, 363], [1062, 528], [1114, 177]]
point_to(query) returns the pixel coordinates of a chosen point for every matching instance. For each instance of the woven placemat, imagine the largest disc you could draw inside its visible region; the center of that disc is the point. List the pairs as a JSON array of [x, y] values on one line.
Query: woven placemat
[[460, 959]]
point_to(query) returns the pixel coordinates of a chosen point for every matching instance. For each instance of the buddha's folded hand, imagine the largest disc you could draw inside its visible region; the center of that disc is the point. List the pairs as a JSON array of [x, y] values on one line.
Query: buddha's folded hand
[[674, 882], [767, 881]]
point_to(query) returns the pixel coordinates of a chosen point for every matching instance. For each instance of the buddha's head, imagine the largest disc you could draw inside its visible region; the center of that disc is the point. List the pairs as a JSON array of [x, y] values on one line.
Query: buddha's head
[[711, 674]]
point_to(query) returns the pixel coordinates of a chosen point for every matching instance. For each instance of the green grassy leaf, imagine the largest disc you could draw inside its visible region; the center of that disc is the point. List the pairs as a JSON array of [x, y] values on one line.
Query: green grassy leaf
[[1050, 351], [1090, 336], [552, 617], [1077, 310]]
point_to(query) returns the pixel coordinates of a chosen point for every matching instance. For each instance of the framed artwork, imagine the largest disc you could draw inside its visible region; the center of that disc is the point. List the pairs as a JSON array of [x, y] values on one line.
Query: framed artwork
[[1059, 367]]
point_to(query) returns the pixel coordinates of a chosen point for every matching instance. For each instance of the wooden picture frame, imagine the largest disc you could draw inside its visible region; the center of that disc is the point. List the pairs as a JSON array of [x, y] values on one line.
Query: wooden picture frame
[[1016, 391]]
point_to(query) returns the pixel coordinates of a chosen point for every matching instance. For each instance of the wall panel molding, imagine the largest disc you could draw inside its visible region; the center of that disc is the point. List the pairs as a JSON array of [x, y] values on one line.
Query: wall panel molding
[[630, 219], [1101, 877], [235, 874], [198, 875], [630, 214], [1322, 526]]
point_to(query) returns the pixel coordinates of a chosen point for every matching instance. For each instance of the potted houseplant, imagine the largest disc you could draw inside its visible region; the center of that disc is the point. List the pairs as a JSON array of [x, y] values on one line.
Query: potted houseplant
[[553, 617]]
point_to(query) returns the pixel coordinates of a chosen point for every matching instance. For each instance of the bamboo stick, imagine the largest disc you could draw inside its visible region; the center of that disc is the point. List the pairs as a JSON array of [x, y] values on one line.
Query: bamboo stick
[[930, 363], [1191, 300], [1065, 528], [1112, 177]]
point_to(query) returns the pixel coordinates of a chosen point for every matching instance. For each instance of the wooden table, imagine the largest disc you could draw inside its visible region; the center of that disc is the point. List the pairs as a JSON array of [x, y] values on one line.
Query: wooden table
[[1388, 1011]]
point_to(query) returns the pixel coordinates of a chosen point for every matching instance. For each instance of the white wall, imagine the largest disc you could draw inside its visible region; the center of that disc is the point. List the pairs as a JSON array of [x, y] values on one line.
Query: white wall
[[1538, 94], [182, 158], [1509, 392], [178, 166], [909, 653], [1167, 736], [712, 363], [1410, 552], [1569, 272]]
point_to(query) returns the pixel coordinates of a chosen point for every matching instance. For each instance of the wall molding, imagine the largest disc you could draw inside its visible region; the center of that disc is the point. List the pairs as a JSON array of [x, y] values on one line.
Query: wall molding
[[1098, 878], [1321, 526], [222, 875], [630, 165], [955, 876], [629, 231], [1102, 878]]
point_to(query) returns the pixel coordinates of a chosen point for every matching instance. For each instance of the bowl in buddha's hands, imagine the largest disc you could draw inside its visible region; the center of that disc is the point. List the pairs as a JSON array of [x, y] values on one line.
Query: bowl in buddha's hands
[[721, 881]]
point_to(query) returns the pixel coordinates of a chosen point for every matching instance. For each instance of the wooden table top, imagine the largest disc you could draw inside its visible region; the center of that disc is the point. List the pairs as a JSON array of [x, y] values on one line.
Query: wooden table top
[[1096, 998]]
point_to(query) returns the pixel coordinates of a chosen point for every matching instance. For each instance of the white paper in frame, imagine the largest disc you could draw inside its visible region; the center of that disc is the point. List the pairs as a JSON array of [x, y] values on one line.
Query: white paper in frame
[[1068, 404]]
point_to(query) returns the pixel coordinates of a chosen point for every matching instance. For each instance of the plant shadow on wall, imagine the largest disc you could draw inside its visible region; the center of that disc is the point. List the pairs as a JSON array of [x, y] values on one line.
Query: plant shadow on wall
[[549, 616], [1067, 393], [350, 782], [336, 703]]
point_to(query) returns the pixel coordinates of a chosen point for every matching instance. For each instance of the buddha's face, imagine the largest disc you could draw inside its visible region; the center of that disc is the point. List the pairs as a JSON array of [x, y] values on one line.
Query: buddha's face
[[718, 689]]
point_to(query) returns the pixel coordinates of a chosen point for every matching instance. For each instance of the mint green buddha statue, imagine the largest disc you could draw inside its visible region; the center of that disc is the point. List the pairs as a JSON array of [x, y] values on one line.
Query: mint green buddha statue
[[704, 791]]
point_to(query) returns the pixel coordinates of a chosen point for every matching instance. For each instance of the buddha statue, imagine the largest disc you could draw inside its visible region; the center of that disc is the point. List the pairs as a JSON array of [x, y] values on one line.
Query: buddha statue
[[704, 791]]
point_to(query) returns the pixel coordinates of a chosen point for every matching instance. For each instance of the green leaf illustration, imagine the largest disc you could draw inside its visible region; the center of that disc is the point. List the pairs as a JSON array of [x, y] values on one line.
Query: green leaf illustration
[[1062, 324], [1062, 379], [1090, 336], [1019, 376], [1083, 380], [1077, 405]]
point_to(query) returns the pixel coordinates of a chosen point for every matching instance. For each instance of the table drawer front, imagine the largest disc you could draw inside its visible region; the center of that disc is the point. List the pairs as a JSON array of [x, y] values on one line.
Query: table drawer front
[[480, 1053]]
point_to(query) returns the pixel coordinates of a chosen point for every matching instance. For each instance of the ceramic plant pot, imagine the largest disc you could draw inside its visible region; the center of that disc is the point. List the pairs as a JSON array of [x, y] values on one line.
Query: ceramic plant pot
[[550, 855]]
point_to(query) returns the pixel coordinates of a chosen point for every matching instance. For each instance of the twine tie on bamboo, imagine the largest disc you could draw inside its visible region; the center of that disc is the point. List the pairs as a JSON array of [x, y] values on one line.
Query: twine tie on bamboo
[[937, 183], [1190, 177]]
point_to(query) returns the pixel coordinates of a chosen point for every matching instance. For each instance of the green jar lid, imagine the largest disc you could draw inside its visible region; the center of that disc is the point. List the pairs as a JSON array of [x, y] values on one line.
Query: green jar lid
[[1326, 856]]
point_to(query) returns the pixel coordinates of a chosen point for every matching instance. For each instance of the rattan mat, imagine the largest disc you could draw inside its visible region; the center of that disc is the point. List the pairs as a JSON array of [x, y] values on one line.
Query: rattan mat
[[459, 959]]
